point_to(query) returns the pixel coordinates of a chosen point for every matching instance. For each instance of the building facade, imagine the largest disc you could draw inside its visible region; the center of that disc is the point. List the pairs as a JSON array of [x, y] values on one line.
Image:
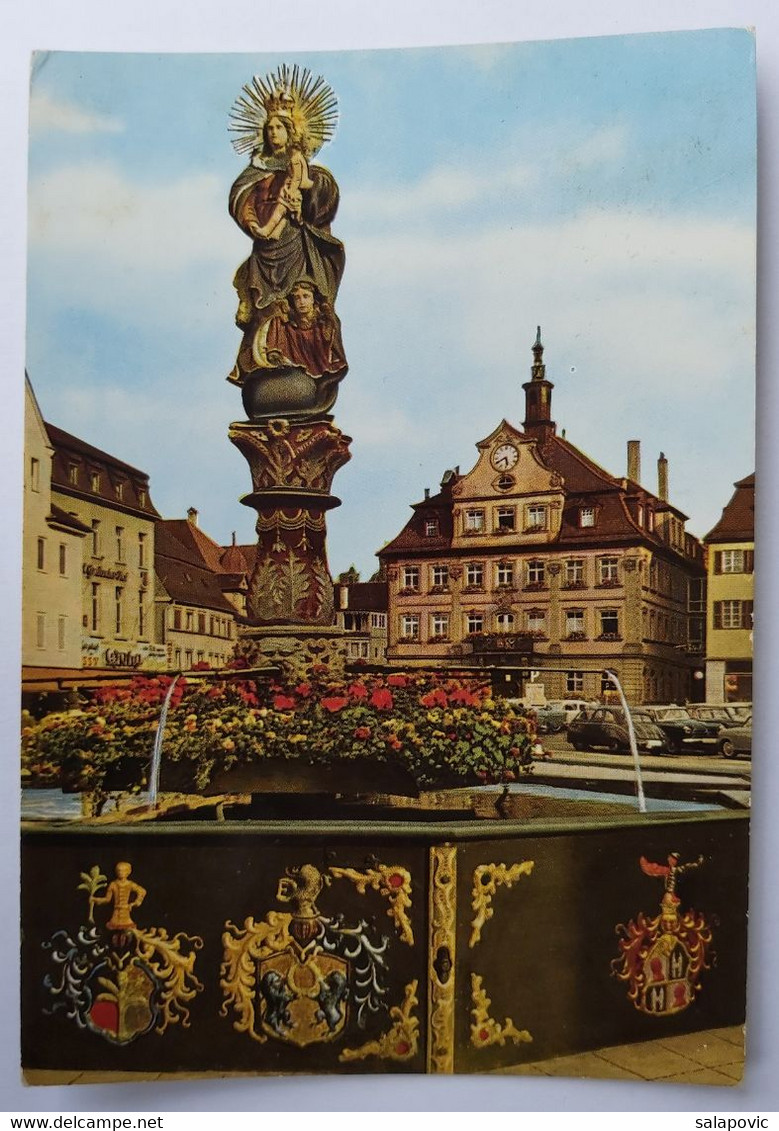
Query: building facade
[[361, 611], [200, 594], [731, 587], [51, 558], [538, 559]]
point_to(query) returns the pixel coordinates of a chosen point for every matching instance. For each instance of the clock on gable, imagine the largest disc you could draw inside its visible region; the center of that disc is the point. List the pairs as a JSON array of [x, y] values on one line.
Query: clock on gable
[[504, 457]]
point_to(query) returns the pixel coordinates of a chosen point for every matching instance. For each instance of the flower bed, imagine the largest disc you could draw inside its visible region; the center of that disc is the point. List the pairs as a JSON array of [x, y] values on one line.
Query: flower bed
[[442, 731]]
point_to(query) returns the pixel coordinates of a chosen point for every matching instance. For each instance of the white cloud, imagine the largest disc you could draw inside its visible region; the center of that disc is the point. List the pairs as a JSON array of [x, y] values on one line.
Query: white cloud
[[55, 115]]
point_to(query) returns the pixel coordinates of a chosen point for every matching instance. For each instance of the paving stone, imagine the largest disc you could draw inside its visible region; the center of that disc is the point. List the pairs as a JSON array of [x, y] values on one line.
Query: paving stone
[[701, 1076], [708, 1049], [649, 1060]]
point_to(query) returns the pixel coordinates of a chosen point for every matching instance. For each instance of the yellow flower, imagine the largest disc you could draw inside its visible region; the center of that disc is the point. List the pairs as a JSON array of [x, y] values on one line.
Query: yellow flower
[[228, 744]]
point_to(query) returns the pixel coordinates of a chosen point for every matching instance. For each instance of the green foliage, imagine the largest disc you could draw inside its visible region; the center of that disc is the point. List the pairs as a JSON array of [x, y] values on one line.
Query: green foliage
[[443, 731]]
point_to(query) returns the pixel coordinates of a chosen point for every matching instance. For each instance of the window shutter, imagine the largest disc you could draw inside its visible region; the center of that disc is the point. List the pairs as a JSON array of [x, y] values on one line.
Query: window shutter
[[718, 561], [746, 613], [749, 561], [718, 614]]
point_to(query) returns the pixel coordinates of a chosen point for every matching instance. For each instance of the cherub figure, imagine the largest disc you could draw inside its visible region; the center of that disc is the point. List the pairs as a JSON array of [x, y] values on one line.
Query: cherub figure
[[125, 895]]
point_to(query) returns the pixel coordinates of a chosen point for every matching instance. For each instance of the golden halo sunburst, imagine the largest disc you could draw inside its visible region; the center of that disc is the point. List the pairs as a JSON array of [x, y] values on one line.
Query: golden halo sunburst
[[289, 92]]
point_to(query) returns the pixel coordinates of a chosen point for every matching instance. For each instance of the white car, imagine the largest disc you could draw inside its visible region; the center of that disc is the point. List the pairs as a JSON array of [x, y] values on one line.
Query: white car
[[572, 707]]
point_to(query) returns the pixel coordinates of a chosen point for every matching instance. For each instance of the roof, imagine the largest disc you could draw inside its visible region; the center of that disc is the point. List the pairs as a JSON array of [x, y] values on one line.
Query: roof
[[585, 484], [59, 517], [737, 523], [366, 596], [199, 546], [70, 452]]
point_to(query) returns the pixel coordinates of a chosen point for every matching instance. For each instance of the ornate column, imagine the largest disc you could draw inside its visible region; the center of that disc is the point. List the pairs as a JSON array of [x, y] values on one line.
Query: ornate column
[[289, 363]]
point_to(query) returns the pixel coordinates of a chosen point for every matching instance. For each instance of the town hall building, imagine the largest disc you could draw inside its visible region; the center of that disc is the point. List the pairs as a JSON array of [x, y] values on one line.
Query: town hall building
[[538, 559]]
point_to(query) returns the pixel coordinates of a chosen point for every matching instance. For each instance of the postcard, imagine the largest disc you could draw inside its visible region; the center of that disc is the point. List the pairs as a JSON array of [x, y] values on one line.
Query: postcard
[[388, 550]]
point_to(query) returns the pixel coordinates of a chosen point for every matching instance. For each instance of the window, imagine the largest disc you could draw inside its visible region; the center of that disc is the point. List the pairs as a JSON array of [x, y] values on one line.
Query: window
[[505, 518], [505, 573], [505, 622], [505, 483], [535, 517], [357, 650], [733, 614], [650, 519], [440, 625], [63, 559], [378, 620], [119, 491], [440, 577], [95, 606], [35, 474], [431, 527], [40, 630], [178, 657], [574, 683], [608, 571], [535, 621], [474, 622], [201, 622], [188, 658], [95, 538], [41, 553], [61, 633], [574, 572], [94, 481], [190, 620], [142, 497], [177, 619], [734, 561], [120, 543], [574, 623], [73, 474], [606, 684], [118, 608], [474, 521], [409, 626], [142, 551], [141, 614], [411, 577], [474, 575], [640, 514], [609, 623], [586, 516], [536, 572]]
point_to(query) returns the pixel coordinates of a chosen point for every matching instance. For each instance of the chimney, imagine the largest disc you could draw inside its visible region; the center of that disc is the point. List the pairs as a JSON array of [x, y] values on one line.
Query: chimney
[[662, 478], [634, 460], [427, 492], [234, 542], [192, 516]]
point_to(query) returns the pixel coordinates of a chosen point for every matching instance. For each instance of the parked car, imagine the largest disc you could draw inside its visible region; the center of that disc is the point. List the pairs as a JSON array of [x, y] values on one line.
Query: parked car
[[607, 726], [682, 732], [735, 740], [572, 707], [550, 718], [725, 714]]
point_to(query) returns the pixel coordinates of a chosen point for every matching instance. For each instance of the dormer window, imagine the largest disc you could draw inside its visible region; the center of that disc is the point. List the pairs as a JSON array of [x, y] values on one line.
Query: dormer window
[[73, 474], [431, 527], [94, 481], [535, 517], [586, 516], [141, 497], [119, 491]]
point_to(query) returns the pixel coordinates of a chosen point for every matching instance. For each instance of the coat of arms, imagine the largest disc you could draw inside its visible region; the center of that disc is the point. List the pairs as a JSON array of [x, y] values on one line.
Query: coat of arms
[[303, 977], [120, 980], [662, 957]]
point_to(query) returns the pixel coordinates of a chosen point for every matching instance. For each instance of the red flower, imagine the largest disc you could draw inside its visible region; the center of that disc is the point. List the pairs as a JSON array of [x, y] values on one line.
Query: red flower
[[464, 697], [303, 690], [283, 703], [435, 698], [362, 732], [394, 742], [397, 681], [382, 699], [334, 703], [358, 691]]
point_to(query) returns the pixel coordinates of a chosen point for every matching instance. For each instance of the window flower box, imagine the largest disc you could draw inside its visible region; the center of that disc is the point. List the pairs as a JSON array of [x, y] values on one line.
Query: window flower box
[[610, 636], [574, 637]]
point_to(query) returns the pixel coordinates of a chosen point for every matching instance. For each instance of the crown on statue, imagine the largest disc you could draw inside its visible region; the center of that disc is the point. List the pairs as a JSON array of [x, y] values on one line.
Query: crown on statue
[[290, 93]]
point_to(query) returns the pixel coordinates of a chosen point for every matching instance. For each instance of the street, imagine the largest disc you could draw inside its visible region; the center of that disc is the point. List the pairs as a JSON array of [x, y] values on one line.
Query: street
[[687, 763]]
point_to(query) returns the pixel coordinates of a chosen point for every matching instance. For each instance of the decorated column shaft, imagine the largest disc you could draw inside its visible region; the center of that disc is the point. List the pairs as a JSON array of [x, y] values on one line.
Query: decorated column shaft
[[291, 358]]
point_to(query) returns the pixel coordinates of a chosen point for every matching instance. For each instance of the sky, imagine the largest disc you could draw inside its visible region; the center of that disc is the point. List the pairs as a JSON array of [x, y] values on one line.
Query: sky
[[603, 189]]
